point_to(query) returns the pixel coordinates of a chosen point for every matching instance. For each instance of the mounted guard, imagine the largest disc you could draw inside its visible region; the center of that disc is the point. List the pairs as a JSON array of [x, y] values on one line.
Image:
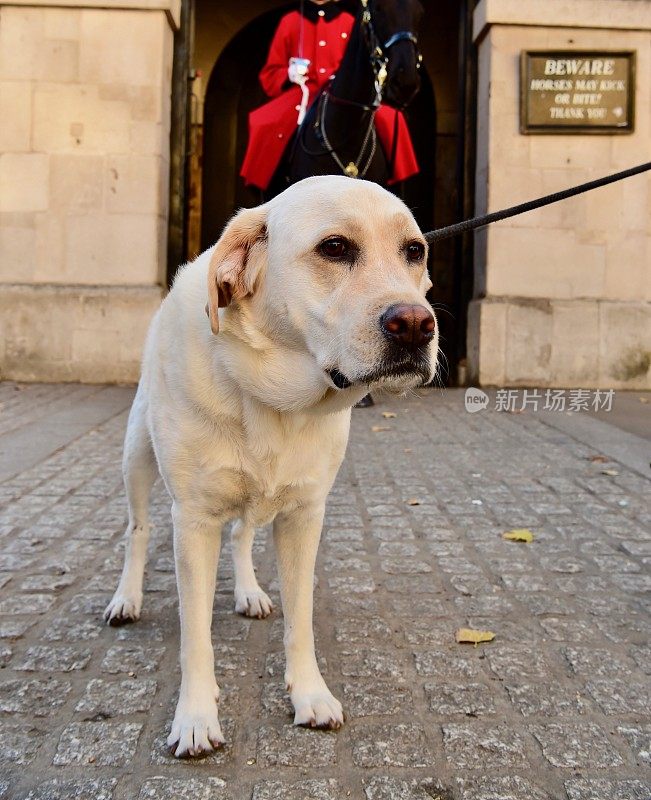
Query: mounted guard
[[305, 54]]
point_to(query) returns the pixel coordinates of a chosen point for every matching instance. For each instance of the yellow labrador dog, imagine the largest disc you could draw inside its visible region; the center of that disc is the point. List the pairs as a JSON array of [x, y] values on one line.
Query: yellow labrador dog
[[312, 299]]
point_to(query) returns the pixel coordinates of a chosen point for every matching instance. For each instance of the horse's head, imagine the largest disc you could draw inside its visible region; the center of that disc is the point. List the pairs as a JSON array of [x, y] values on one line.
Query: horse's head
[[393, 26]]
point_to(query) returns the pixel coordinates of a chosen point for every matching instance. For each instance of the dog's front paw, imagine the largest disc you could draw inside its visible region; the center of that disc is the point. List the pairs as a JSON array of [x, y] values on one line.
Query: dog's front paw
[[122, 609], [196, 730], [316, 707], [253, 603]]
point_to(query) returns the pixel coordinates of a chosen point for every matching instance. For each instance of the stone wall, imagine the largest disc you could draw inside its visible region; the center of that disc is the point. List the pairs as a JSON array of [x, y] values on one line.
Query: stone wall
[[84, 153], [562, 294]]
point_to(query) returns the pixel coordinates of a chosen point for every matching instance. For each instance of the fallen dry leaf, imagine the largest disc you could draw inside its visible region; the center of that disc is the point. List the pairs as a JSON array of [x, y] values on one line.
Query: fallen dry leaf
[[389, 414], [599, 459], [471, 636], [413, 501], [378, 428], [643, 399], [407, 450], [609, 472], [518, 535]]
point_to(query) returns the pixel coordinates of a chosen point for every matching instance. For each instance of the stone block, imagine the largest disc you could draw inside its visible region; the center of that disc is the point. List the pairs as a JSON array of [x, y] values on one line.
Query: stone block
[[368, 662], [628, 276], [583, 746], [427, 631], [383, 787], [363, 630], [315, 789], [61, 23], [63, 789], [489, 788], [27, 604], [116, 47], [624, 349], [39, 698], [107, 744], [548, 700], [24, 179], [76, 182], [363, 699], [56, 313], [290, 746], [132, 658], [483, 746], [528, 343], [19, 743], [600, 788], [617, 697], [511, 184], [75, 118], [31, 49], [575, 342], [16, 116], [518, 663], [112, 249], [549, 263], [638, 738], [394, 745], [15, 628], [18, 245], [275, 700], [148, 137], [164, 788], [43, 658], [468, 699], [561, 152], [135, 184], [114, 698]]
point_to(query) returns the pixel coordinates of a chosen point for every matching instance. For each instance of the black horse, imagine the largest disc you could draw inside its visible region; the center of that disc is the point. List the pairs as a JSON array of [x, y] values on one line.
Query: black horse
[[381, 63]]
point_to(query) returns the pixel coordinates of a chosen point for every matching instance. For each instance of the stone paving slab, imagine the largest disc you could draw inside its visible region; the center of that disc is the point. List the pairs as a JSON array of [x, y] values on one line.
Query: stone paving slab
[[555, 708]]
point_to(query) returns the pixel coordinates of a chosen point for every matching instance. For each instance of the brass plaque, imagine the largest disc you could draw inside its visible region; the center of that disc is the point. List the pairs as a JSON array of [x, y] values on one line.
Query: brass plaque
[[576, 91]]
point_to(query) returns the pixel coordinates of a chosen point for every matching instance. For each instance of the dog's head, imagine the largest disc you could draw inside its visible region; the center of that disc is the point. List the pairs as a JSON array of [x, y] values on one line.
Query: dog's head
[[335, 269]]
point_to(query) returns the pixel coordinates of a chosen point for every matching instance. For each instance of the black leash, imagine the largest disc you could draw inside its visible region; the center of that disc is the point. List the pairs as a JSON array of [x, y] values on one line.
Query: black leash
[[480, 222]]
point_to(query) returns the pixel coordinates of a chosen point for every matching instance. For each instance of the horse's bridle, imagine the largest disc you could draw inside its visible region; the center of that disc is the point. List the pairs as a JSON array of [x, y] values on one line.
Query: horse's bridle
[[380, 52]]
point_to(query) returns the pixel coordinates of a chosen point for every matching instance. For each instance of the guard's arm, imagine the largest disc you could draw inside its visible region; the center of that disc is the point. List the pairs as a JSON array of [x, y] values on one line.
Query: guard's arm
[[273, 77]]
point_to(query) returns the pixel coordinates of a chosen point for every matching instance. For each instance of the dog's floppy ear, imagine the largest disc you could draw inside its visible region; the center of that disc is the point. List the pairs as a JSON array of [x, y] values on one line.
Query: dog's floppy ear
[[236, 261]]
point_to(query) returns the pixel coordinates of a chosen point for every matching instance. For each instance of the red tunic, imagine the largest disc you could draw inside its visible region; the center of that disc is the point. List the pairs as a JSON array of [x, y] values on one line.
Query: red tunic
[[272, 125]]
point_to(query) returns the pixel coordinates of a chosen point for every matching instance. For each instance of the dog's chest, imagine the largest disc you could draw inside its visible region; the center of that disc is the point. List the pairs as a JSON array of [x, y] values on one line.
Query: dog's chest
[[278, 482], [265, 469]]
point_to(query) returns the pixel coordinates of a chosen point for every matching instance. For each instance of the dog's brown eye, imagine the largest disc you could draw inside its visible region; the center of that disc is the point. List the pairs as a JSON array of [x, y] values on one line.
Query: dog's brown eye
[[415, 251], [335, 247]]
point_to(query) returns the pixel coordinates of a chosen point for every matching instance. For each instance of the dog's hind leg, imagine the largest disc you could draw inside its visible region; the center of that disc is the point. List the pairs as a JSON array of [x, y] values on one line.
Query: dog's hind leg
[[250, 600], [140, 471]]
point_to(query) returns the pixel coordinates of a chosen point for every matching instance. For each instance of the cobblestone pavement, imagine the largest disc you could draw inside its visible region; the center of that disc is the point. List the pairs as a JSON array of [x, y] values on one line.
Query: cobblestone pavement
[[555, 708]]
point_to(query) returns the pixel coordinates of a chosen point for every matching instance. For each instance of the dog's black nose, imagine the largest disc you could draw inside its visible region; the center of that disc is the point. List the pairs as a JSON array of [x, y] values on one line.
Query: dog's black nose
[[409, 326]]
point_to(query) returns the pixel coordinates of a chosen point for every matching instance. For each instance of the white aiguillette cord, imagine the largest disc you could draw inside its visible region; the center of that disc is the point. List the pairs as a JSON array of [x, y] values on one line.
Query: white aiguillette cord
[[479, 222]]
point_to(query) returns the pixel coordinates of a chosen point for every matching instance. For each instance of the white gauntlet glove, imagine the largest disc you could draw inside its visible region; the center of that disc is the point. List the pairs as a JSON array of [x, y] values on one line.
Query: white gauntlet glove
[[297, 70]]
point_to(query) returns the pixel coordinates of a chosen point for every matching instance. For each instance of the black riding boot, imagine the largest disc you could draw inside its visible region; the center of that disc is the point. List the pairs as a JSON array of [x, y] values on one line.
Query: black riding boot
[[365, 402]]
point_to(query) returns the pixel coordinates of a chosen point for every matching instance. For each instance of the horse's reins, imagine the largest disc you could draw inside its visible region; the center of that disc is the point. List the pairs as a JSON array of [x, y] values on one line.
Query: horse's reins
[[480, 222], [379, 53]]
